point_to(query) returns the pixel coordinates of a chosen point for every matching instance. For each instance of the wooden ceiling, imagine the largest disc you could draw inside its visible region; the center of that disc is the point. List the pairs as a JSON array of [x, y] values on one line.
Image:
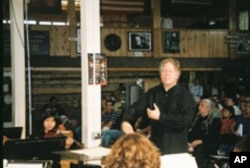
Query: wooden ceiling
[[198, 9]]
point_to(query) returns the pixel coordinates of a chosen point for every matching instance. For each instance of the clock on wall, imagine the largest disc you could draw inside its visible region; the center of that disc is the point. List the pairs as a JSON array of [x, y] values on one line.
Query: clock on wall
[[112, 42]]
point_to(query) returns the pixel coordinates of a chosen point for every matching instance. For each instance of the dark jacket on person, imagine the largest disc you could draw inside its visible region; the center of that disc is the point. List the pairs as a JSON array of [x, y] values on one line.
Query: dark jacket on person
[[177, 109], [208, 130]]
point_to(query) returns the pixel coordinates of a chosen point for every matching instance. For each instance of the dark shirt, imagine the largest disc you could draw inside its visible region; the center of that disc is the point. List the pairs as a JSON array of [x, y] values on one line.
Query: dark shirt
[[208, 133], [245, 121], [112, 116], [177, 109]]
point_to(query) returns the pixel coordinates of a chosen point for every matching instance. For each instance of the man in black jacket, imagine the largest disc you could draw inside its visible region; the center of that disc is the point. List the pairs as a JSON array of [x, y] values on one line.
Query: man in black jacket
[[170, 108]]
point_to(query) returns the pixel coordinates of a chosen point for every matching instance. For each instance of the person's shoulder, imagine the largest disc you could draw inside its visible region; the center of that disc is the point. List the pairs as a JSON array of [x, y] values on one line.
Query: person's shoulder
[[182, 89]]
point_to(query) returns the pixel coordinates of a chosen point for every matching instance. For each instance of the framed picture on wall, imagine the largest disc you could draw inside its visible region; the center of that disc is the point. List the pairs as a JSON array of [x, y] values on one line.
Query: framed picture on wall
[[171, 42], [140, 41]]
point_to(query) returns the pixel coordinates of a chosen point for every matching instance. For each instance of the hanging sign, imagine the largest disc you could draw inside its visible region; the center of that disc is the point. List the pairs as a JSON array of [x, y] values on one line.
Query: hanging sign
[[97, 67]]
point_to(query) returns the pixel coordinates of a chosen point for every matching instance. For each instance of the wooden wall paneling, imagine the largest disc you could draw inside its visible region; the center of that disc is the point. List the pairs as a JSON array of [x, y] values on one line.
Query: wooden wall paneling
[[157, 42], [42, 28], [104, 33], [204, 43], [124, 45], [184, 45], [72, 27], [191, 44], [120, 51], [59, 42], [218, 44], [194, 43]]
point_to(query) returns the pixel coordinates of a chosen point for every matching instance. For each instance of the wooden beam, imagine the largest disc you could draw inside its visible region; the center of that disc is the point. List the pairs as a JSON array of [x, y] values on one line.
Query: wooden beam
[[157, 37], [72, 26], [156, 69]]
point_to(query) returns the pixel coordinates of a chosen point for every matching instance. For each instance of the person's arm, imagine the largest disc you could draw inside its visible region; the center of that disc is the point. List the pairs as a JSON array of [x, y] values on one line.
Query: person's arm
[[136, 110], [126, 127]]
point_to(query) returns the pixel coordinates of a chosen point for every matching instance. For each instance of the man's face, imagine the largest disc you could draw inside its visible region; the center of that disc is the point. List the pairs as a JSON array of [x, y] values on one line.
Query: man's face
[[138, 40], [169, 74], [108, 107]]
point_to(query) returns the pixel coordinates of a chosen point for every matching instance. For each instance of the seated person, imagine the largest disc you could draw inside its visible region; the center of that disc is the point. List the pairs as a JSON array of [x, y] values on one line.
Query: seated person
[[243, 145], [133, 151], [110, 124], [204, 134], [242, 122], [54, 106], [228, 138], [51, 127], [73, 121]]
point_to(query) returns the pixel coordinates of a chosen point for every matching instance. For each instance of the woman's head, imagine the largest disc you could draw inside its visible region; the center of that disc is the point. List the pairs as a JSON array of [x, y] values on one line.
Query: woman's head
[[205, 107], [133, 151], [50, 121]]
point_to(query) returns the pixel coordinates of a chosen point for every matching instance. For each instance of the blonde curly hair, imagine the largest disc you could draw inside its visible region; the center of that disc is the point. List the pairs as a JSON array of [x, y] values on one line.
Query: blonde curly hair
[[133, 151]]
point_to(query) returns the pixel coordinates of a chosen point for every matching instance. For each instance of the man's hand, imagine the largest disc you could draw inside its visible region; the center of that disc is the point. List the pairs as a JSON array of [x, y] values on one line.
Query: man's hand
[[155, 113], [127, 127]]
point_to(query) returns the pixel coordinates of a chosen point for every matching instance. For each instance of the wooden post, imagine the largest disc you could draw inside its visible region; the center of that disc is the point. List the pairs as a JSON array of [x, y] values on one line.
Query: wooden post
[[18, 65], [157, 35], [72, 27], [233, 27], [91, 94]]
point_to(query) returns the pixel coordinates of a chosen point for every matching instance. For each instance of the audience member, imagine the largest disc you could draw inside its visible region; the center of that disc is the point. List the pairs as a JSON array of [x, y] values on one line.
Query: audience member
[[103, 101], [196, 90], [54, 106], [243, 145], [170, 108], [110, 124], [133, 151], [118, 102], [242, 122], [228, 138], [74, 119], [231, 102], [51, 127], [204, 134]]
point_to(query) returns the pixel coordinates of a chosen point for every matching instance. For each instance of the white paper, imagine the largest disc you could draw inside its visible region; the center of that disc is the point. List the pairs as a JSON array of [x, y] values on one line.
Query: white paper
[[24, 165], [93, 153], [178, 161]]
